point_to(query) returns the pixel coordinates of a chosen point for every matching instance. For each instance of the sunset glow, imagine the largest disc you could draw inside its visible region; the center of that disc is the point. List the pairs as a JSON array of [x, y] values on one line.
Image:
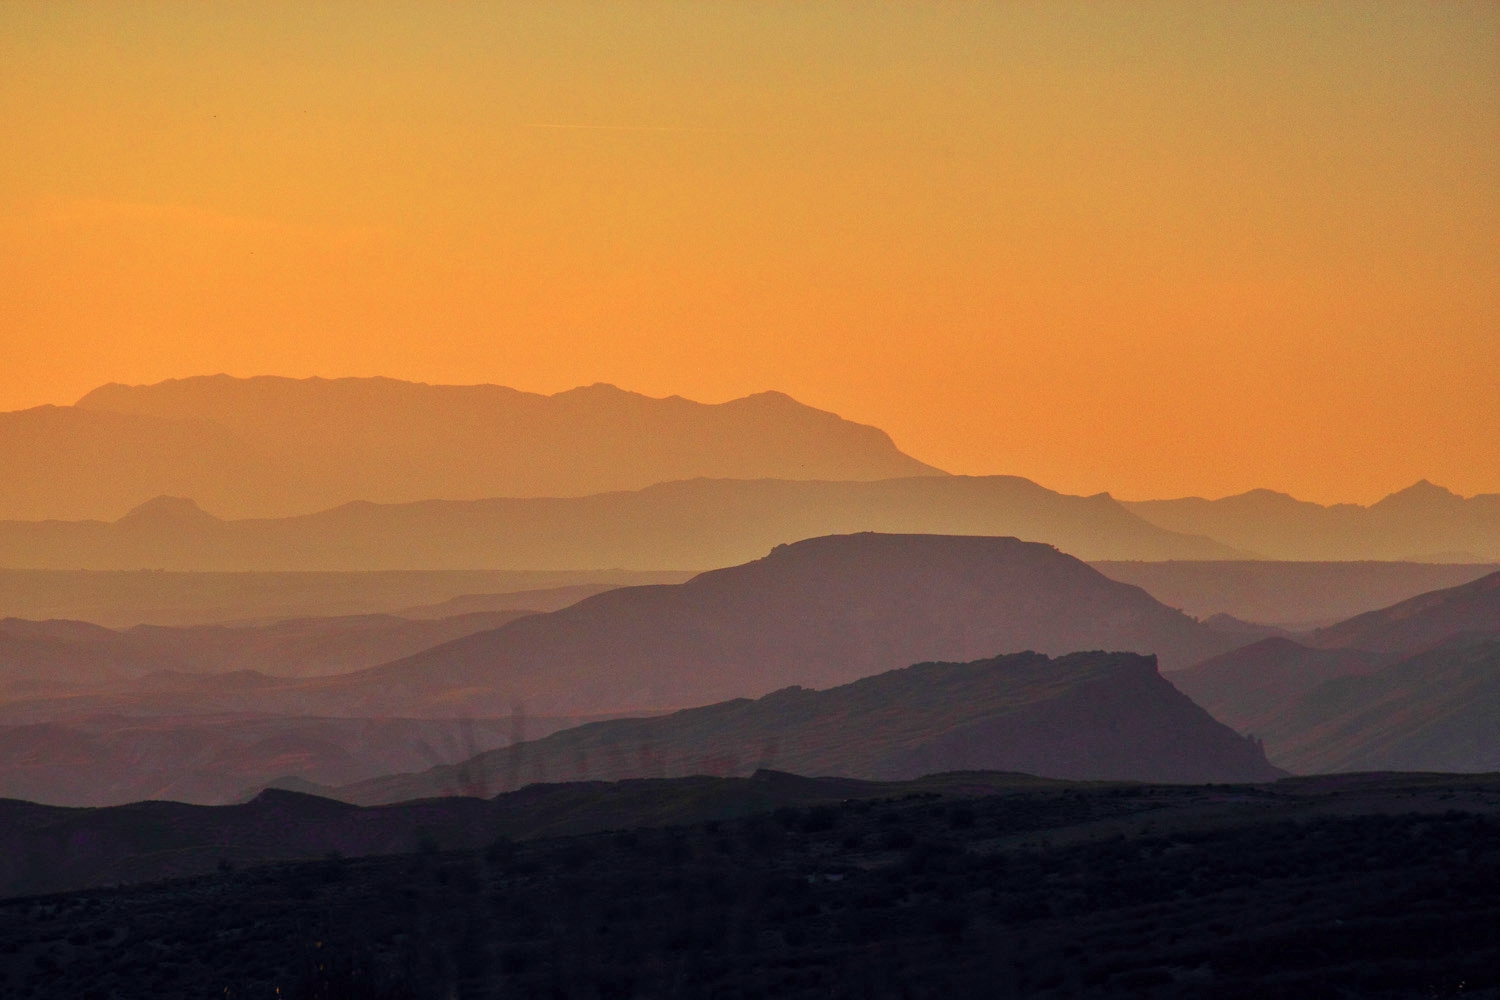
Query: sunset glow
[[1157, 249]]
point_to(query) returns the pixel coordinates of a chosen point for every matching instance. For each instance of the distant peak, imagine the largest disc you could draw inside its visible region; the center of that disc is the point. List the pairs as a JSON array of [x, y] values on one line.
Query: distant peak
[[1422, 492], [1424, 487], [168, 510]]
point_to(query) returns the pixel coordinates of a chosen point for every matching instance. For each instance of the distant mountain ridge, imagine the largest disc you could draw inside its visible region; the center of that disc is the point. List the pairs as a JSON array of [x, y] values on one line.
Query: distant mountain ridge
[[692, 524], [1095, 716], [1423, 523], [270, 446]]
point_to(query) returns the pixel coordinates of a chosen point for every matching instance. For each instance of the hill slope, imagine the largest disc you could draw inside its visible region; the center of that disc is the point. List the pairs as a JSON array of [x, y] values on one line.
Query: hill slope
[[1297, 595], [694, 524], [1082, 716], [1422, 522], [1436, 711], [1415, 686], [1419, 622], [277, 446], [820, 612]]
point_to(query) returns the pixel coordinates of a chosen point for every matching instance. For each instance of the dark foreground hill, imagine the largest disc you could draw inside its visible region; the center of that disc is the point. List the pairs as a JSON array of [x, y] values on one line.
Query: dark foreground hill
[[1097, 716], [818, 613], [959, 886], [275, 446], [1424, 523], [47, 848], [702, 524]]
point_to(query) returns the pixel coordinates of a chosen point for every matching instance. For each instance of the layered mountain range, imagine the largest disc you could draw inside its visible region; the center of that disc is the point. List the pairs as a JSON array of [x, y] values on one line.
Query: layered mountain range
[[697, 524], [221, 473], [269, 446]]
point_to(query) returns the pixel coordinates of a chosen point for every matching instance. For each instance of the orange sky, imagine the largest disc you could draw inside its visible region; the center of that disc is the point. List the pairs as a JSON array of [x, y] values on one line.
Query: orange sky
[[1155, 249]]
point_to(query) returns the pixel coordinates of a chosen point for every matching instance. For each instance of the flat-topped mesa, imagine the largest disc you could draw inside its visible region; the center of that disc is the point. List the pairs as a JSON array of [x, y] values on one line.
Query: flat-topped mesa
[[820, 612]]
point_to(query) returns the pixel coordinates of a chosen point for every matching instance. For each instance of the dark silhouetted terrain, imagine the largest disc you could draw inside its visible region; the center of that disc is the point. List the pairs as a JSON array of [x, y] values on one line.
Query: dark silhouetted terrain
[[277, 446], [124, 598], [700, 524], [1301, 595], [1086, 716], [958, 886], [1423, 523]]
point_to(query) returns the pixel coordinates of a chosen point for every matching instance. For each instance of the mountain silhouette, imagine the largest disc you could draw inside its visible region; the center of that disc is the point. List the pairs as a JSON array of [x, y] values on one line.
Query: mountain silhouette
[[1082, 716], [819, 613], [270, 446], [1423, 522], [695, 524]]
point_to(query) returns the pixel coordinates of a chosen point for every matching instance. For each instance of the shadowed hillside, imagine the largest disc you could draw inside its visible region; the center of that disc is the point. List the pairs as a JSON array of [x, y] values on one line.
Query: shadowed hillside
[[697, 524], [1438, 710], [276, 446], [1415, 686], [1083, 716]]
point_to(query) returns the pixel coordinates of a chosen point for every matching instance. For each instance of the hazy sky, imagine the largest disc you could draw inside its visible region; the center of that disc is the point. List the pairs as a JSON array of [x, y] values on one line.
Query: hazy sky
[[1155, 249]]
